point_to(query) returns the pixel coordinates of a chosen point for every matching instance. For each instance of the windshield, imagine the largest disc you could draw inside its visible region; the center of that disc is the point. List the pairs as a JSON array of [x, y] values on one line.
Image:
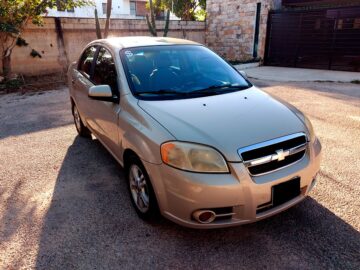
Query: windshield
[[179, 71]]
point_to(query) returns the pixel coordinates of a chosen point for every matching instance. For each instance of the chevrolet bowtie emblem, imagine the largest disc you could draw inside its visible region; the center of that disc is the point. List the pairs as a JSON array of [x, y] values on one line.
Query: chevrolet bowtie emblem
[[280, 155]]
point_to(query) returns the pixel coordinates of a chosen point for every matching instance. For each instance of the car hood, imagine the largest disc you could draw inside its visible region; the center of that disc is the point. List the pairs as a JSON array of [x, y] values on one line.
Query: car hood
[[226, 122]]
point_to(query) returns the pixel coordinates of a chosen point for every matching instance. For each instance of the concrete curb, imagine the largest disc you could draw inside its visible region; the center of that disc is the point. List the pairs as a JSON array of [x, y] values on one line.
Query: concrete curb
[[247, 66], [281, 74]]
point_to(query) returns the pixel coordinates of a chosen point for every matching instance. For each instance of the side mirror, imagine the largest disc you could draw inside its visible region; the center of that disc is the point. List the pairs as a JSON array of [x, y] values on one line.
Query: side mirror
[[243, 73], [101, 92]]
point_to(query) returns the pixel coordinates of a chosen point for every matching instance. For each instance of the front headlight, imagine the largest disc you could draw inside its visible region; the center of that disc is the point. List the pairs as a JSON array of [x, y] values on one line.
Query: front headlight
[[193, 157], [310, 128], [307, 123]]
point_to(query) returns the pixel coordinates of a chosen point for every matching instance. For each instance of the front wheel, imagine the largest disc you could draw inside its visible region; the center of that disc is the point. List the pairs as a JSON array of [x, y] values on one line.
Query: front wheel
[[82, 130], [141, 191]]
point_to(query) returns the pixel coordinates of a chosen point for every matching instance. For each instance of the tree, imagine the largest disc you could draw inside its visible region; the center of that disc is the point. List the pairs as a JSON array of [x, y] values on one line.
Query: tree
[[185, 9], [15, 14], [108, 14], [151, 21], [158, 6], [97, 25]]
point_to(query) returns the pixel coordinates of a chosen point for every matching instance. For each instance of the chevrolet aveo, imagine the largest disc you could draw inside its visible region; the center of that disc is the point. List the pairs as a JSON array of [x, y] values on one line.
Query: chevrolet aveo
[[199, 143]]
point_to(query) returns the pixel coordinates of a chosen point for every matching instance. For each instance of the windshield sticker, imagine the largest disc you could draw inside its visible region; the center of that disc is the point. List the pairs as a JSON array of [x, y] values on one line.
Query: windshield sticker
[[128, 53]]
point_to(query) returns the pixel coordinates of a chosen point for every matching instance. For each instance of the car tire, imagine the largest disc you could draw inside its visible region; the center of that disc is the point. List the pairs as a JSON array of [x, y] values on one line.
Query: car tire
[[82, 130], [140, 189]]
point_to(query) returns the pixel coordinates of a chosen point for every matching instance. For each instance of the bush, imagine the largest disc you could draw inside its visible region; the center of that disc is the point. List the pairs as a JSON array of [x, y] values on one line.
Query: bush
[[11, 85]]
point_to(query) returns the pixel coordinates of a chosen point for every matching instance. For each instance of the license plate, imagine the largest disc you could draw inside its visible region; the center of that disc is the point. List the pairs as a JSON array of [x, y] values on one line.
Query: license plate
[[286, 191]]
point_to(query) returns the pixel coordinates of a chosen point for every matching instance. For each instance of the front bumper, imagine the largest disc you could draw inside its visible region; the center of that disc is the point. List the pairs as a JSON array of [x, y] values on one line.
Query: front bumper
[[180, 193]]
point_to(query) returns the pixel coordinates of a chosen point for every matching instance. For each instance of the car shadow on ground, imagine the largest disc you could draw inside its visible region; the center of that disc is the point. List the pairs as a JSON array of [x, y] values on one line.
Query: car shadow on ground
[[91, 225]]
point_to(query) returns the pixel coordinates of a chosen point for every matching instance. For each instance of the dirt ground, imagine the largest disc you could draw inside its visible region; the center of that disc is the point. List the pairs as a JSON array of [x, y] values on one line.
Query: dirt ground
[[64, 203]]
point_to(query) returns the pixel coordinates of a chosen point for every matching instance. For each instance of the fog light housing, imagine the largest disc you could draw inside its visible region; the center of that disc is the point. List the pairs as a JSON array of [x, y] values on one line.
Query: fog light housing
[[204, 216]]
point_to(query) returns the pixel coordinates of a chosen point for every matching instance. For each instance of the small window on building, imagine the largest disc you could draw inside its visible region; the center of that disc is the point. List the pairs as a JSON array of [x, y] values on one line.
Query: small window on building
[[340, 23], [318, 24], [132, 8], [346, 24], [357, 23], [104, 8]]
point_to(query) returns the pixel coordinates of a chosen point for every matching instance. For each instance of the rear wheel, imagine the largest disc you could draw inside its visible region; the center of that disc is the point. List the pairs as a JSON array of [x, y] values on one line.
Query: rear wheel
[[82, 130], [141, 191]]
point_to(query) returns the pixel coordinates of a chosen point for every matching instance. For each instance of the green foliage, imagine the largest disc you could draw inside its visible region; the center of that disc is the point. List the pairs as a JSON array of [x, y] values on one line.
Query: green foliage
[[8, 28], [11, 84], [15, 14], [158, 6], [200, 14], [97, 25], [186, 9]]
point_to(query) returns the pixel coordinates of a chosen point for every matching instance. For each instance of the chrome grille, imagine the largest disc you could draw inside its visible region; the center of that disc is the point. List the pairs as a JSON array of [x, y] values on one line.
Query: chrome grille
[[275, 154]]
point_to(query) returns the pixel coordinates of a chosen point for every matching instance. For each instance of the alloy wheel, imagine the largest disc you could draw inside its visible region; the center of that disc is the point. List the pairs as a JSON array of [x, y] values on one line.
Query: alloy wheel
[[139, 189], [77, 119]]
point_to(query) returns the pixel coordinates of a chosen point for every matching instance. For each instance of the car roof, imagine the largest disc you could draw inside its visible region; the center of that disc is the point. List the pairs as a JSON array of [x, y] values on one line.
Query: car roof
[[141, 41]]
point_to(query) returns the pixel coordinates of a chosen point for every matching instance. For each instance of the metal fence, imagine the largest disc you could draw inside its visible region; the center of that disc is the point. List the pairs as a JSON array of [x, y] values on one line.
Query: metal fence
[[323, 39]]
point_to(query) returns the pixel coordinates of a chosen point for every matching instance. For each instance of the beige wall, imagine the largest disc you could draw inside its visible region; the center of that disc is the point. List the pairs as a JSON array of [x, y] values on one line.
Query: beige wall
[[231, 27], [77, 33]]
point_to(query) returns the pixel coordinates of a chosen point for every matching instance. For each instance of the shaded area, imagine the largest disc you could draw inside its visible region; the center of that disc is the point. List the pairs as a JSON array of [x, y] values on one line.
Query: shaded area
[[90, 225], [16, 212], [21, 114]]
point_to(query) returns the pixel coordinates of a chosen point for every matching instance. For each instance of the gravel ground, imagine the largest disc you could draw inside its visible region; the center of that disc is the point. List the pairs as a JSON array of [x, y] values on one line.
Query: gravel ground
[[64, 203]]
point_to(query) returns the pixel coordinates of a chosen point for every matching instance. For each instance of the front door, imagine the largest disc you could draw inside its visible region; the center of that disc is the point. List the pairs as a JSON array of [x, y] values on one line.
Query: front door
[[104, 114], [81, 82]]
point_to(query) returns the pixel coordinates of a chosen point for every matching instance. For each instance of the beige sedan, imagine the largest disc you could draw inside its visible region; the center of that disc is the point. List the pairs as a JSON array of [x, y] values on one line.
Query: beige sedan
[[199, 143]]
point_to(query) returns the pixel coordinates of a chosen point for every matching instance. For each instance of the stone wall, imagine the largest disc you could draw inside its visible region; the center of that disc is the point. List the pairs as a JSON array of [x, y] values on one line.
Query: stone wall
[[56, 52], [230, 27]]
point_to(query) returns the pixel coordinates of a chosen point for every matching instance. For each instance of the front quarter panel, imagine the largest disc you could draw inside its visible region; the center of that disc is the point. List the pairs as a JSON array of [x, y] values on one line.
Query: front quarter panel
[[140, 132]]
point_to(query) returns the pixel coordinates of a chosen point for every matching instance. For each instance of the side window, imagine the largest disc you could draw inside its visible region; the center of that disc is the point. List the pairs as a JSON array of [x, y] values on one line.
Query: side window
[[86, 61], [105, 71]]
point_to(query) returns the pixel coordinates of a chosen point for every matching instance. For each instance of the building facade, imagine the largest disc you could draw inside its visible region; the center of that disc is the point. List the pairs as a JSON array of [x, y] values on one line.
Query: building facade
[[121, 9], [238, 30]]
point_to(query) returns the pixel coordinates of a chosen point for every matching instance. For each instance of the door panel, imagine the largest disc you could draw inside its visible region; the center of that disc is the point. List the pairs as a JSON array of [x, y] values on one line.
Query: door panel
[[105, 114], [82, 82]]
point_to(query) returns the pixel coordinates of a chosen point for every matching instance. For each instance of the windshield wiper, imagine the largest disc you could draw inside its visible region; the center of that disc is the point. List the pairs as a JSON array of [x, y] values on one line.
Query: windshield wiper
[[212, 89], [162, 92]]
